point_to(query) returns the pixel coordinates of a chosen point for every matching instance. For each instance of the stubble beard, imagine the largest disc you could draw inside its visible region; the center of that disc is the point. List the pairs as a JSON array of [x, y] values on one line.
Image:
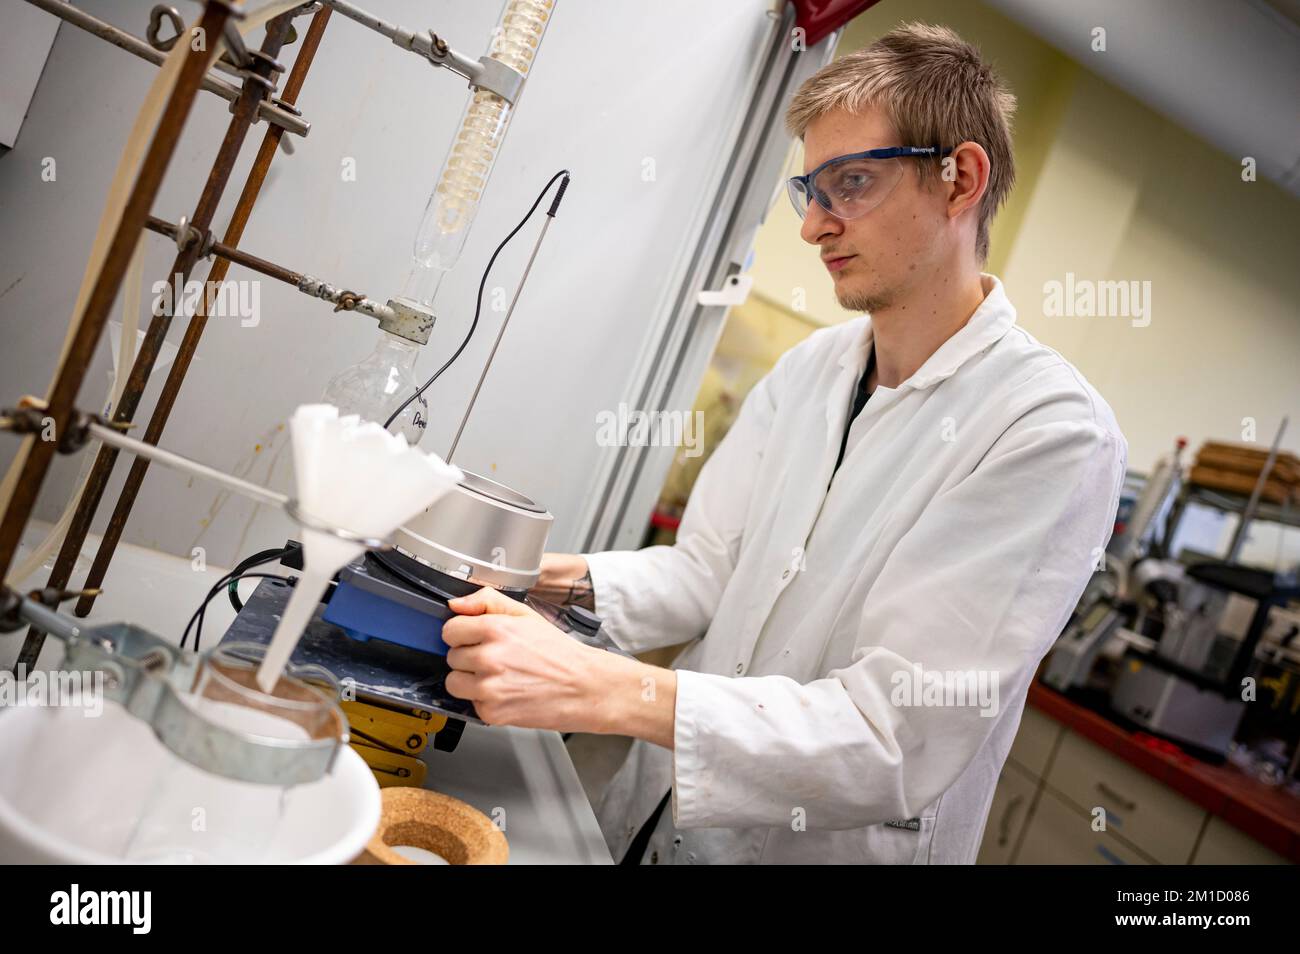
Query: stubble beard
[[863, 300]]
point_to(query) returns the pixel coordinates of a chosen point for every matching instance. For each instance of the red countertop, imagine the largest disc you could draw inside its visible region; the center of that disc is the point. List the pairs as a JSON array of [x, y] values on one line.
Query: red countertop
[[1267, 813]]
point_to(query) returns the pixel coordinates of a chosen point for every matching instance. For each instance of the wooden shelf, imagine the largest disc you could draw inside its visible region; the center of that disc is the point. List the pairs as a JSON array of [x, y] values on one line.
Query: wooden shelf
[[1236, 503]]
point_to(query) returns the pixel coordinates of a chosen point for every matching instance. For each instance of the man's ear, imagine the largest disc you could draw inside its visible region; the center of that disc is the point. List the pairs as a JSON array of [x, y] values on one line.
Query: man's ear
[[965, 171]]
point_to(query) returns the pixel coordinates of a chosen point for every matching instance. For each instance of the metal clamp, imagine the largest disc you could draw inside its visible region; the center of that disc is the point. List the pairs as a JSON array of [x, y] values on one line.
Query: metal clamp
[[30, 416], [150, 677], [346, 300], [485, 73], [187, 235], [295, 512], [409, 320], [495, 77]]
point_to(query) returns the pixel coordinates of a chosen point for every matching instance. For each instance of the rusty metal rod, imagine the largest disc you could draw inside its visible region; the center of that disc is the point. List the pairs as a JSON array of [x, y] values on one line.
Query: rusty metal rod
[[194, 331], [36, 454], [271, 111], [235, 256], [343, 299], [218, 177]]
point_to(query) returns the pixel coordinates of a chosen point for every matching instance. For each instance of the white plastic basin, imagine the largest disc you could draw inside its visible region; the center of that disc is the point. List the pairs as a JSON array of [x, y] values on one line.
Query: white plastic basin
[[72, 788]]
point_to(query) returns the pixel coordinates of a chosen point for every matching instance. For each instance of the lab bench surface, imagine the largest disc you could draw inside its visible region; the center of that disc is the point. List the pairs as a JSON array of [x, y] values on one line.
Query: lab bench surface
[[1267, 813], [525, 778]]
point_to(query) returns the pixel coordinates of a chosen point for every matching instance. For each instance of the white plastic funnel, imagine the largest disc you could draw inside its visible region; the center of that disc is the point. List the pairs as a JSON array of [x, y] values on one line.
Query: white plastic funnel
[[355, 476]]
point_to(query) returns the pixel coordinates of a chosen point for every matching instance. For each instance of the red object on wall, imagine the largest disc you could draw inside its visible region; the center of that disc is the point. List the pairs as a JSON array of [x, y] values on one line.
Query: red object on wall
[[820, 18]]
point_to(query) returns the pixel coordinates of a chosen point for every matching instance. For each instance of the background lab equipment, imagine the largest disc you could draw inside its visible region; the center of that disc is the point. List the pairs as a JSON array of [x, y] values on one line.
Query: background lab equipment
[[1185, 636]]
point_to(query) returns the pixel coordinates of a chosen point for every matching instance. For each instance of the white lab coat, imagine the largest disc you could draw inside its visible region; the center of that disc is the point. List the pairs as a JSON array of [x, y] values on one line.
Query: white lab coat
[[959, 532]]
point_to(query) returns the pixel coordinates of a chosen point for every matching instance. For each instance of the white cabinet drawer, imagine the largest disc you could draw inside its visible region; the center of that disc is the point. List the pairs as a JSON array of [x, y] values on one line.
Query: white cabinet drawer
[[1141, 810], [1010, 809], [1224, 845], [1034, 741], [1059, 834]]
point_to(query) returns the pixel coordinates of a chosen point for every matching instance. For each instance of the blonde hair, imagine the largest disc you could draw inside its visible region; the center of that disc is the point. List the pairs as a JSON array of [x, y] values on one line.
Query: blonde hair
[[935, 90]]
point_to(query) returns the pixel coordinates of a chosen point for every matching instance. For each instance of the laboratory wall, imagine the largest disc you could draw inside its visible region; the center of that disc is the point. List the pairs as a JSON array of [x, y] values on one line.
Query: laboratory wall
[[638, 108], [1128, 196]]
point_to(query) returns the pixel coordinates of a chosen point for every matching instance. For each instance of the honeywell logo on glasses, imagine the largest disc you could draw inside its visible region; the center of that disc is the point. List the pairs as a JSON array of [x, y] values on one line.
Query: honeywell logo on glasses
[[102, 907]]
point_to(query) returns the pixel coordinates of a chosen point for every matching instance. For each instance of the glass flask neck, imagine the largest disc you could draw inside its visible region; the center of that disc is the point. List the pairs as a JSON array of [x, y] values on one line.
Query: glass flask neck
[[422, 284], [397, 350]]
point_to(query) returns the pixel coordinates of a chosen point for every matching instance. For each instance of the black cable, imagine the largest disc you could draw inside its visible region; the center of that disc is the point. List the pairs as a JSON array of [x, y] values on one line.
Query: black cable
[[257, 559], [198, 631], [478, 307], [238, 571]]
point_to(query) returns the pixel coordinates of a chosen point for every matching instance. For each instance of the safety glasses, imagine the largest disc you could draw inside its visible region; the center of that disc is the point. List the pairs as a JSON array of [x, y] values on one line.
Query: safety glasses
[[851, 186]]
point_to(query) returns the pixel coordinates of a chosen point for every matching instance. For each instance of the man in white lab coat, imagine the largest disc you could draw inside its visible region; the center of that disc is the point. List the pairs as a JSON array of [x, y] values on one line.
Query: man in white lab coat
[[879, 553]]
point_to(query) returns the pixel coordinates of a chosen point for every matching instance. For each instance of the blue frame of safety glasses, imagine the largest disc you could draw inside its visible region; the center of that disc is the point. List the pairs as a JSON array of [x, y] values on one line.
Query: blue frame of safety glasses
[[804, 182]]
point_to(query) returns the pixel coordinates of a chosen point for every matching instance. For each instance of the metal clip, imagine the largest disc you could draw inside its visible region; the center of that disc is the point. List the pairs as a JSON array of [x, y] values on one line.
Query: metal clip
[[348, 300], [156, 16], [187, 235]]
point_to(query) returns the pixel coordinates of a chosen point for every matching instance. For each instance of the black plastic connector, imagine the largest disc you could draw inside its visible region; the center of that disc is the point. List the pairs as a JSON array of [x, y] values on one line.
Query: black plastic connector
[[559, 194]]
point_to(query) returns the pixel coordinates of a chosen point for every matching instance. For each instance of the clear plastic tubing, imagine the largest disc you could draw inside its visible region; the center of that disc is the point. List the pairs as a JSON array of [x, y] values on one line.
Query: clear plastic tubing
[[455, 199]]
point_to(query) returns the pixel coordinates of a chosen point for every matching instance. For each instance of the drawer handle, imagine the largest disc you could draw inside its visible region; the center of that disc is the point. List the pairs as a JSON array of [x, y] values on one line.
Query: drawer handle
[[1110, 856], [1115, 796]]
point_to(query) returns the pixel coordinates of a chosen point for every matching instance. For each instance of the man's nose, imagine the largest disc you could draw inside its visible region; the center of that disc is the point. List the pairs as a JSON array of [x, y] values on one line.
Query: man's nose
[[818, 224]]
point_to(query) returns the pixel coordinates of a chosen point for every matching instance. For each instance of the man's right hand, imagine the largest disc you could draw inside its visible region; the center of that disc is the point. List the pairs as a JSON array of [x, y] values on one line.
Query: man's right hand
[[566, 581]]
